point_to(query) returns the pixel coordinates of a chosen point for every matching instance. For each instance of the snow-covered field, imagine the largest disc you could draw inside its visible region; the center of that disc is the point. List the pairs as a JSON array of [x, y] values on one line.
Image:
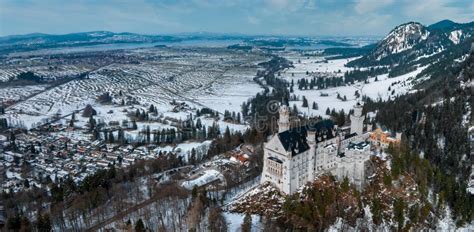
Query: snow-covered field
[[219, 80], [316, 64], [45, 71], [380, 89], [15, 93], [241, 86]]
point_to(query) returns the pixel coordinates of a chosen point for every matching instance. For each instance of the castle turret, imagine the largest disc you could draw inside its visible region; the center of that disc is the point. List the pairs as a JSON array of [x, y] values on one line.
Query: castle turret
[[357, 120], [284, 121]]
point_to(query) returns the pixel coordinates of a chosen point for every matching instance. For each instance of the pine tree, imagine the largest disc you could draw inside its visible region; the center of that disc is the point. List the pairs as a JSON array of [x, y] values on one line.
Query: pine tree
[[217, 221], [192, 158], [356, 94], [148, 137], [43, 223], [111, 137], [204, 134], [398, 212], [106, 136], [134, 125], [295, 109], [305, 102], [345, 184], [198, 123], [88, 111], [227, 135], [71, 122], [247, 223], [376, 209], [14, 222], [387, 180], [95, 134], [139, 226], [3, 123], [120, 136], [92, 123]]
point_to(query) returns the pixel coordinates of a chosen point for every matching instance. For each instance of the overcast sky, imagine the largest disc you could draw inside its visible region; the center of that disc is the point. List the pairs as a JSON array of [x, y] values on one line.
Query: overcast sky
[[279, 17]]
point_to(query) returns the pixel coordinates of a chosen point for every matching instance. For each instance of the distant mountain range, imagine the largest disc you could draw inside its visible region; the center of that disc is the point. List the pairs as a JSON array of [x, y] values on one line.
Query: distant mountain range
[[406, 43], [108, 37], [36, 41]]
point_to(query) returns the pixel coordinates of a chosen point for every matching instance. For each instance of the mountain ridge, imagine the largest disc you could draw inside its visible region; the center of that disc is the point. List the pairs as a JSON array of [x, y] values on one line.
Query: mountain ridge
[[412, 40]]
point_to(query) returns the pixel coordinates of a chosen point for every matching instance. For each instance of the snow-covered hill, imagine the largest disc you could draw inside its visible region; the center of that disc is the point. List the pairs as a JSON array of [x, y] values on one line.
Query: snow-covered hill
[[409, 41], [400, 39]]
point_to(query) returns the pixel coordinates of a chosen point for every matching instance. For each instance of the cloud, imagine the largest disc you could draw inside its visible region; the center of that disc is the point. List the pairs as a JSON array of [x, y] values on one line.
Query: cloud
[[54, 16], [368, 6], [278, 4], [289, 5], [253, 20], [430, 11], [304, 17], [215, 3]]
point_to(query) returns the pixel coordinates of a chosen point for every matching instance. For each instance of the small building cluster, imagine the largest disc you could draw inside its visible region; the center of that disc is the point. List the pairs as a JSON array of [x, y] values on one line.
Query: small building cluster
[[37, 158], [383, 138]]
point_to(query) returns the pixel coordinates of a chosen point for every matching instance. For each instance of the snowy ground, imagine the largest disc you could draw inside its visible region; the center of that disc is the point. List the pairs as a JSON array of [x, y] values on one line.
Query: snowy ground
[[219, 80], [208, 176], [315, 64], [17, 93], [235, 221], [382, 88]]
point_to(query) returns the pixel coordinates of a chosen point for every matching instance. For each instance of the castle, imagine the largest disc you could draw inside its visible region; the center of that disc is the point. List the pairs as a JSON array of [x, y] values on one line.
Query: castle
[[296, 156]]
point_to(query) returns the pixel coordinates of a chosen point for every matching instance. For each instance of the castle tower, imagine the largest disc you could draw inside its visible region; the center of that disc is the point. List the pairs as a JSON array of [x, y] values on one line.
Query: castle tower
[[357, 120], [284, 120]]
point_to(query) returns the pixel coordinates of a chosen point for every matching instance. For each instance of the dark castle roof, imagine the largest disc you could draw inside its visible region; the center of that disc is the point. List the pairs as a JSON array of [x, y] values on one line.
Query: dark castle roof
[[348, 136], [359, 146], [294, 139]]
